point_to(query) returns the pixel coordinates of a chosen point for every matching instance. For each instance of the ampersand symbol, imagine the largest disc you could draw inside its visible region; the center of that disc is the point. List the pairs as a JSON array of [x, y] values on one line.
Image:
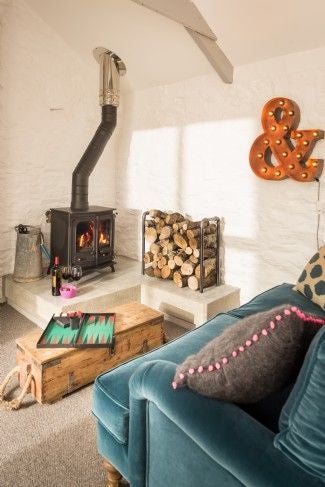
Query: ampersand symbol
[[291, 148]]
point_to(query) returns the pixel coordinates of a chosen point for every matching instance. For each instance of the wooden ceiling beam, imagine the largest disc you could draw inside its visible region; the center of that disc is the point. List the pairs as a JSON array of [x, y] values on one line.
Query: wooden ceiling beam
[[214, 55], [182, 11], [187, 14]]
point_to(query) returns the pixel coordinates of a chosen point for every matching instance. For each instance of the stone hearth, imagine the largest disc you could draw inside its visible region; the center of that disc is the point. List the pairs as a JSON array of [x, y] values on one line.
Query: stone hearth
[[102, 288]]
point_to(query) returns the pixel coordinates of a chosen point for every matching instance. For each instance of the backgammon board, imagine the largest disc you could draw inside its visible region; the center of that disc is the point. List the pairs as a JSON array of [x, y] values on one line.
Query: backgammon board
[[94, 330]]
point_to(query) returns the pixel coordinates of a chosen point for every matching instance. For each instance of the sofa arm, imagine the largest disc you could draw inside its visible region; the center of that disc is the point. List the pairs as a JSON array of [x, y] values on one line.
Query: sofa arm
[[227, 434]]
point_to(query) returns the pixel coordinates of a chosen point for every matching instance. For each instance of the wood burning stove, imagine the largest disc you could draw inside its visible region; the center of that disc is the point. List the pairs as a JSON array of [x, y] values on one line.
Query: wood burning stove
[[84, 234], [84, 238]]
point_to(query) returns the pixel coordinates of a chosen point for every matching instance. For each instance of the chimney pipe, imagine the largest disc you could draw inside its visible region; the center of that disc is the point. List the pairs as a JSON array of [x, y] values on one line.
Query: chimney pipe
[[111, 68]]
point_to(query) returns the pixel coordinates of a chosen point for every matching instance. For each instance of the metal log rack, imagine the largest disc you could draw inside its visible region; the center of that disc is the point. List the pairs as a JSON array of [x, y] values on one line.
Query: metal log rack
[[216, 221]]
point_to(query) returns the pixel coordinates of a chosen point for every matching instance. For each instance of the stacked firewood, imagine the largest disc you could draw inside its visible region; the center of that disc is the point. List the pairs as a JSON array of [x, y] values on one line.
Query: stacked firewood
[[173, 249]]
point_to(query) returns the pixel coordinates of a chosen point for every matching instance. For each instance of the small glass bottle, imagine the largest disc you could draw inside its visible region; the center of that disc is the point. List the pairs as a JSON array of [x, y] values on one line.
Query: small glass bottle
[[56, 277]]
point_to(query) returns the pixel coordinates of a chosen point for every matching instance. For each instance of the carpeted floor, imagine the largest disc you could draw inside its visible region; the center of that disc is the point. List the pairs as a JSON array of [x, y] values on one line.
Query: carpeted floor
[[47, 445]]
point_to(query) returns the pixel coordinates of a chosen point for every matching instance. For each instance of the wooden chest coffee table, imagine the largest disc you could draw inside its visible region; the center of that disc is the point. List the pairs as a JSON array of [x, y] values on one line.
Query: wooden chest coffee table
[[57, 372]]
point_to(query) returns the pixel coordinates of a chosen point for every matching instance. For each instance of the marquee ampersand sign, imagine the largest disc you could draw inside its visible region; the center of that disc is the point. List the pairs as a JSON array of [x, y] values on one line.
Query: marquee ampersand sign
[[290, 147]]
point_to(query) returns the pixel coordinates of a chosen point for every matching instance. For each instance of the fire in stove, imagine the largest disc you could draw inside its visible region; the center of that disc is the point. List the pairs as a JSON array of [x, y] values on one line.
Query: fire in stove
[[86, 236], [103, 235]]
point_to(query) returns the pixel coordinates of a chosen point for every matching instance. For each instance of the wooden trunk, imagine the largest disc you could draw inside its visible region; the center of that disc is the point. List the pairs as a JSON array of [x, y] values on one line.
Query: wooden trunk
[[59, 371]]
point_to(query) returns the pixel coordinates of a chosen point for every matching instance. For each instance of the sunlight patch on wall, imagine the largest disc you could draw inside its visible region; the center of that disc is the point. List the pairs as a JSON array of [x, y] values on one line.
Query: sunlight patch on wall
[[248, 262], [217, 176], [153, 170]]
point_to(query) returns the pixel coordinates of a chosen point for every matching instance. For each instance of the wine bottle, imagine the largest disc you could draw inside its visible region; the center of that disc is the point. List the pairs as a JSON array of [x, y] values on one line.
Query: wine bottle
[[56, 277]]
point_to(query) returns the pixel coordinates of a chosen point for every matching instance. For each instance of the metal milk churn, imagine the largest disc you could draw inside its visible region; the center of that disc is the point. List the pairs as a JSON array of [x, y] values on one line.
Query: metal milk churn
[[28, 261]]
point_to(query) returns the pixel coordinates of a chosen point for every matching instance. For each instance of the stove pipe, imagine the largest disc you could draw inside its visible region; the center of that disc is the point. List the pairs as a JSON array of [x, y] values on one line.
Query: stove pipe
[[111, 68]]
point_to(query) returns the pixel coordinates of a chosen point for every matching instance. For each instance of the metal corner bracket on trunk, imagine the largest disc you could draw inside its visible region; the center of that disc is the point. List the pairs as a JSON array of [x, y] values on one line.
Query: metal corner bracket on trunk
[[111, 68]]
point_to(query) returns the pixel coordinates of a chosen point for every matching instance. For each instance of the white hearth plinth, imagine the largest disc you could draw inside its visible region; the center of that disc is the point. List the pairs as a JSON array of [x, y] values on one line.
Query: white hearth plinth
[[102, 289]]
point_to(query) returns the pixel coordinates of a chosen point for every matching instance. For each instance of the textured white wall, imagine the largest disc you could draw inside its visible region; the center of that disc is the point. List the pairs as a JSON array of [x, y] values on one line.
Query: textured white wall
[[185, 147], [41, 146]]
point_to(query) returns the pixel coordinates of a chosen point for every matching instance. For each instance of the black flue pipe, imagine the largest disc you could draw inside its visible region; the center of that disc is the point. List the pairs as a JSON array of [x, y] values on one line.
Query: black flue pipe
[[85, 166]]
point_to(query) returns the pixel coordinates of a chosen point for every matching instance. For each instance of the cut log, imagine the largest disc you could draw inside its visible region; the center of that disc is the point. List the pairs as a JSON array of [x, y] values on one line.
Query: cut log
[[180, 258], [150, 234], [154, 264], [195, 232], [194, 243], [149, 223], [166, 272], [149, 271], [209, 267], [180, 241], [190, 225], [208, 241], [188, 251], [171, 264], [155, 248], [158, 213], [174, 218], [188, 268], [179, 280], [161, 262], [194, 282], [207, 253], [179, 225], [157, 272], [148, 257], [165, 233], [164, 242], [194, 259]]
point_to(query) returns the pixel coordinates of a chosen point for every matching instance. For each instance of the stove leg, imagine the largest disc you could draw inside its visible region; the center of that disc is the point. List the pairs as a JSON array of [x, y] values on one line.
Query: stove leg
[[112, 267]]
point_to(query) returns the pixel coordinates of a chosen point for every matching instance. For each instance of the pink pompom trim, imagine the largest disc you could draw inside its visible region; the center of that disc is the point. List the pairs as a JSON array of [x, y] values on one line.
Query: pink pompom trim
[[248, 343]]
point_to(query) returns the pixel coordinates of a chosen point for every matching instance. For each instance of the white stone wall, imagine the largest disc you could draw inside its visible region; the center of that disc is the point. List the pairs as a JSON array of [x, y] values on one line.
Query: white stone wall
[[185, 147], [49, 112]]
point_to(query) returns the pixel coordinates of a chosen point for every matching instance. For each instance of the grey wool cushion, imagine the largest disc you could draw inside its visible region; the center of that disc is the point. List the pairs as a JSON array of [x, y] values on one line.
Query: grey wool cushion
[[253, 358]]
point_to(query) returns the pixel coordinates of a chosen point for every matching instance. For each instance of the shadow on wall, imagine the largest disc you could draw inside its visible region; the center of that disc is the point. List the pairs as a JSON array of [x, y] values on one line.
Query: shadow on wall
[[185, 147]]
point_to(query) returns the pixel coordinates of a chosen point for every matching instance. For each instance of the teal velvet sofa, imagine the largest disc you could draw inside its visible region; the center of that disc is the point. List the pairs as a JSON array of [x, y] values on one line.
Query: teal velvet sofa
[[157, 437]]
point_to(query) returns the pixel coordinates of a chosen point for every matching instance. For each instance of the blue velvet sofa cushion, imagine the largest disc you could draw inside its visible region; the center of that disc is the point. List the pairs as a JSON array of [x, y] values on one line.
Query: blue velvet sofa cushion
[[111, 400], [276, 296], [302, 421]]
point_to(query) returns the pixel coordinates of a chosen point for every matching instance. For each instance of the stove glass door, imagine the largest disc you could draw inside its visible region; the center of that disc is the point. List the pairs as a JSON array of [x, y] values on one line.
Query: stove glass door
[[85, 237]]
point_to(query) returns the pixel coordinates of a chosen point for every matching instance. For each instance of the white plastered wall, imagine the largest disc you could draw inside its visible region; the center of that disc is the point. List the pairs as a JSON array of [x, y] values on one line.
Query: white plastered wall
[[182, 146], [49, 112], [185, 147]]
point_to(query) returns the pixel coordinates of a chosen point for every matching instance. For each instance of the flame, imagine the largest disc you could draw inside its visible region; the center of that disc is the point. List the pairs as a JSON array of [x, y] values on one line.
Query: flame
[[85, 240], [103, 238]]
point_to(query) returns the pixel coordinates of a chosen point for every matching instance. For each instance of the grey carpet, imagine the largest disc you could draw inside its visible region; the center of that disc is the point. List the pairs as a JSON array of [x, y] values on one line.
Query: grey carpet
[[47, 445]]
